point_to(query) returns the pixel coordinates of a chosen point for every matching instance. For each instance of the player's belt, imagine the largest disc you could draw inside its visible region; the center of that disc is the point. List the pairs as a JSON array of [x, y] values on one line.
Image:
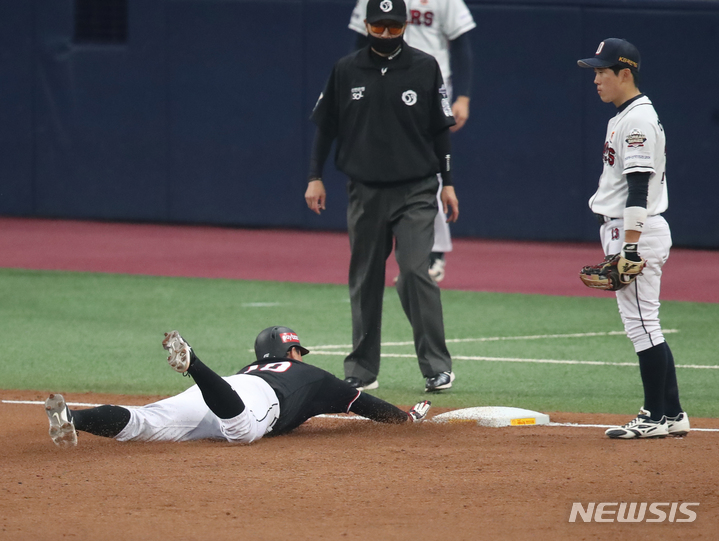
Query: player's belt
[[602, 219]]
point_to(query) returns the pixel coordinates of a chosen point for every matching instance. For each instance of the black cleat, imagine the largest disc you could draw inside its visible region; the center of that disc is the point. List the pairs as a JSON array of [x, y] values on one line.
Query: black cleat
[[360, 385], [441, 381]]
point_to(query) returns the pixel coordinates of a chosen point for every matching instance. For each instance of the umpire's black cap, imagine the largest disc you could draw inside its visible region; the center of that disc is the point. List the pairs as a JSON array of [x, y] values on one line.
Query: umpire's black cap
[[276, 342], [613, 52], [386, 10]]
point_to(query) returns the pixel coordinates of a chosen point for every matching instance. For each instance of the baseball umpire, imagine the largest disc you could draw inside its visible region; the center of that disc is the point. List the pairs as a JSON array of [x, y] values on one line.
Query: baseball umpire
[[440, 28], [272, 396], [387, 107], [628, 203]]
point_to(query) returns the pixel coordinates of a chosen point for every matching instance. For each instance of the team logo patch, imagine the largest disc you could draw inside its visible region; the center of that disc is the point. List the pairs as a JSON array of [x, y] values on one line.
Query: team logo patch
[[289, 337], [635, 139], [386, 6], [409, 97], [358, 93], [446, 108], [599, 50], [443, 91], [609, 155]]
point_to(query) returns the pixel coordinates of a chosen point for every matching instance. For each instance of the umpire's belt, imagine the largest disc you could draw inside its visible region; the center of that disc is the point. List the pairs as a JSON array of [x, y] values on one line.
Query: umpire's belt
[[602, 219]]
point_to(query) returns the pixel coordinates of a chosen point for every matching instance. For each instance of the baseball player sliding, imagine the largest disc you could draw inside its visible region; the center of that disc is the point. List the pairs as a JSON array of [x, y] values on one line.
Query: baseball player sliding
[[438, 28], [629, 202], [272, 396]]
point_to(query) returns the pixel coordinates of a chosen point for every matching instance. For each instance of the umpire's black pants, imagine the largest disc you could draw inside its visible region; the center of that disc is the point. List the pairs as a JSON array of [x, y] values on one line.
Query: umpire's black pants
[[377, 214]]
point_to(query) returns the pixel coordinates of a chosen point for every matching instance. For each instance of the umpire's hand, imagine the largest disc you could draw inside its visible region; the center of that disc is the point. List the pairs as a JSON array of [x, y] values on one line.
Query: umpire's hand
[[315, 196], [450, 202]]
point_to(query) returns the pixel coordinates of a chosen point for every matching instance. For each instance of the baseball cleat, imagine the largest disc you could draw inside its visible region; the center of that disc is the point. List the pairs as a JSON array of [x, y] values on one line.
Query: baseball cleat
[[436, 271], [642, 426], [360, 386], [679, 425], [419, 411], [62, 429], [441, 381], [180, 351]]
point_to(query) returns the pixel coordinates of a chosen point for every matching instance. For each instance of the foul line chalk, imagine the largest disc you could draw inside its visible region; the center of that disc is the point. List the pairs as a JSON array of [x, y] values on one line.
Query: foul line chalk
[[503, 338], [331, 416], [517, 360], [322, 349]]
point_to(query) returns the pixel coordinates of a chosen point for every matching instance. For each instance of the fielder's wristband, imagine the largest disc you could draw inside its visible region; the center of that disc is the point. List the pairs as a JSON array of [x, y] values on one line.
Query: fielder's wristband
[[630, 252], [634, 218]]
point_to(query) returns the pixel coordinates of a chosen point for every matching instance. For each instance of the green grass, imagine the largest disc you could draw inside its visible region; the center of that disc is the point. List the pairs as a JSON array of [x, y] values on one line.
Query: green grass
[[77, 332]]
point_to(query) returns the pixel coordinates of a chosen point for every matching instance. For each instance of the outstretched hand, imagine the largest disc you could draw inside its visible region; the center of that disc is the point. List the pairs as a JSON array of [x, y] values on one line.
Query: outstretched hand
[[419, 411]]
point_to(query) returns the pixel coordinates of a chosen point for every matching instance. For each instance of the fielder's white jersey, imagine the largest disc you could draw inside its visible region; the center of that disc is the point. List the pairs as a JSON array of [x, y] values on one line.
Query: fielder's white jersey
[[432, 25], [635, 143]]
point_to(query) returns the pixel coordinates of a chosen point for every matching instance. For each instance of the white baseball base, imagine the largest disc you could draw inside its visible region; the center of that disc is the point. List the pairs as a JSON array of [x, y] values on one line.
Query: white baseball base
[[493, 417]]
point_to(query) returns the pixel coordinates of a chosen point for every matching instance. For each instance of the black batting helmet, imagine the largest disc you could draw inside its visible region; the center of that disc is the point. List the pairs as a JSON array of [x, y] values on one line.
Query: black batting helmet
[[276, 342]]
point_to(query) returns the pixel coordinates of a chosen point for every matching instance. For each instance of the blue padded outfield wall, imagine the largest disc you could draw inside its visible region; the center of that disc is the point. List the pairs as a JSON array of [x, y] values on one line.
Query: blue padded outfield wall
[[201, 114]]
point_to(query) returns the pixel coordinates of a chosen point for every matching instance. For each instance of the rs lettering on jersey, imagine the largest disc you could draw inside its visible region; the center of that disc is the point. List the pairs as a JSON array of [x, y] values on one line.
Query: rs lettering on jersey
[[418, 18], [609, 155]]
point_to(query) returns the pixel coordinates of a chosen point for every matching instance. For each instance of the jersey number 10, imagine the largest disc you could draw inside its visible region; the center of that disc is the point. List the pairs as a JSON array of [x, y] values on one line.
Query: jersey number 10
[[271, 367]]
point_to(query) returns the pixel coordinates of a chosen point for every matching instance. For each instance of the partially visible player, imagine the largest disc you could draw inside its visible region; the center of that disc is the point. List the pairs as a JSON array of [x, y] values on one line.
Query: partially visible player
[[273, 395], [439, 28], [628, 203]]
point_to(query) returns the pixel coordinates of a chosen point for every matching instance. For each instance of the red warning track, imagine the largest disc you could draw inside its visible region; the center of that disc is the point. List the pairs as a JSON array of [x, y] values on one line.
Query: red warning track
[[319, 257]]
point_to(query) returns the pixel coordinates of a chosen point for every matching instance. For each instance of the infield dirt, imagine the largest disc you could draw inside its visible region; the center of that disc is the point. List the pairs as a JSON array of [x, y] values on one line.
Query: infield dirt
[[342, 479]]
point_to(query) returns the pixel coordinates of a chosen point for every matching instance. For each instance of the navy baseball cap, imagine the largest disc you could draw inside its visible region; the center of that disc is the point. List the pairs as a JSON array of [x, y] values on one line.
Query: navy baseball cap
[[386, 10], [276, 342], [613, 52]]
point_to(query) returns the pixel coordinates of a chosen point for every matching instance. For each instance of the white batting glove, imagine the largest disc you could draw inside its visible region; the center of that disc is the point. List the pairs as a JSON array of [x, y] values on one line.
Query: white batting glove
[[419, 411]]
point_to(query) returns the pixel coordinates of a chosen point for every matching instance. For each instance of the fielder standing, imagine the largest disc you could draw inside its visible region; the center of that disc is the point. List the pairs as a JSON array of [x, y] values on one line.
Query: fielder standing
[[387, 107], [439, 28], [629, 202]]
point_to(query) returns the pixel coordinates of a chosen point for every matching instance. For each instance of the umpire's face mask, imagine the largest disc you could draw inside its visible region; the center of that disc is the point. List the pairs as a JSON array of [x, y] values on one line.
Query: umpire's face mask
[[385, 45], [387, 40]]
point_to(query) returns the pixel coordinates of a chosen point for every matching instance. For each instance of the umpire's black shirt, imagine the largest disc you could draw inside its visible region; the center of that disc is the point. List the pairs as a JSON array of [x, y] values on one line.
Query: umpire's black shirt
[[385, 113]]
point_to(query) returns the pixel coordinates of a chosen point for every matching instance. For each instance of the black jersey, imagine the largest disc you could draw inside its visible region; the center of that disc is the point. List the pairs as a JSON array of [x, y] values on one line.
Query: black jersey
[[385, 114], [303, 391]]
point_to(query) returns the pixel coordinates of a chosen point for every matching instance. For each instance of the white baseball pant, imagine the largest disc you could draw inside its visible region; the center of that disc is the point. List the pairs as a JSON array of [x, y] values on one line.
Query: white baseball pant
[[639, 301], [186, 417]]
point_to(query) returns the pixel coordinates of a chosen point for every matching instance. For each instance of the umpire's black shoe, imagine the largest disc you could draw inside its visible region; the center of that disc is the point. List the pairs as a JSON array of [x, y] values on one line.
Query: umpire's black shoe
[[360, 385], [441, 381]]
